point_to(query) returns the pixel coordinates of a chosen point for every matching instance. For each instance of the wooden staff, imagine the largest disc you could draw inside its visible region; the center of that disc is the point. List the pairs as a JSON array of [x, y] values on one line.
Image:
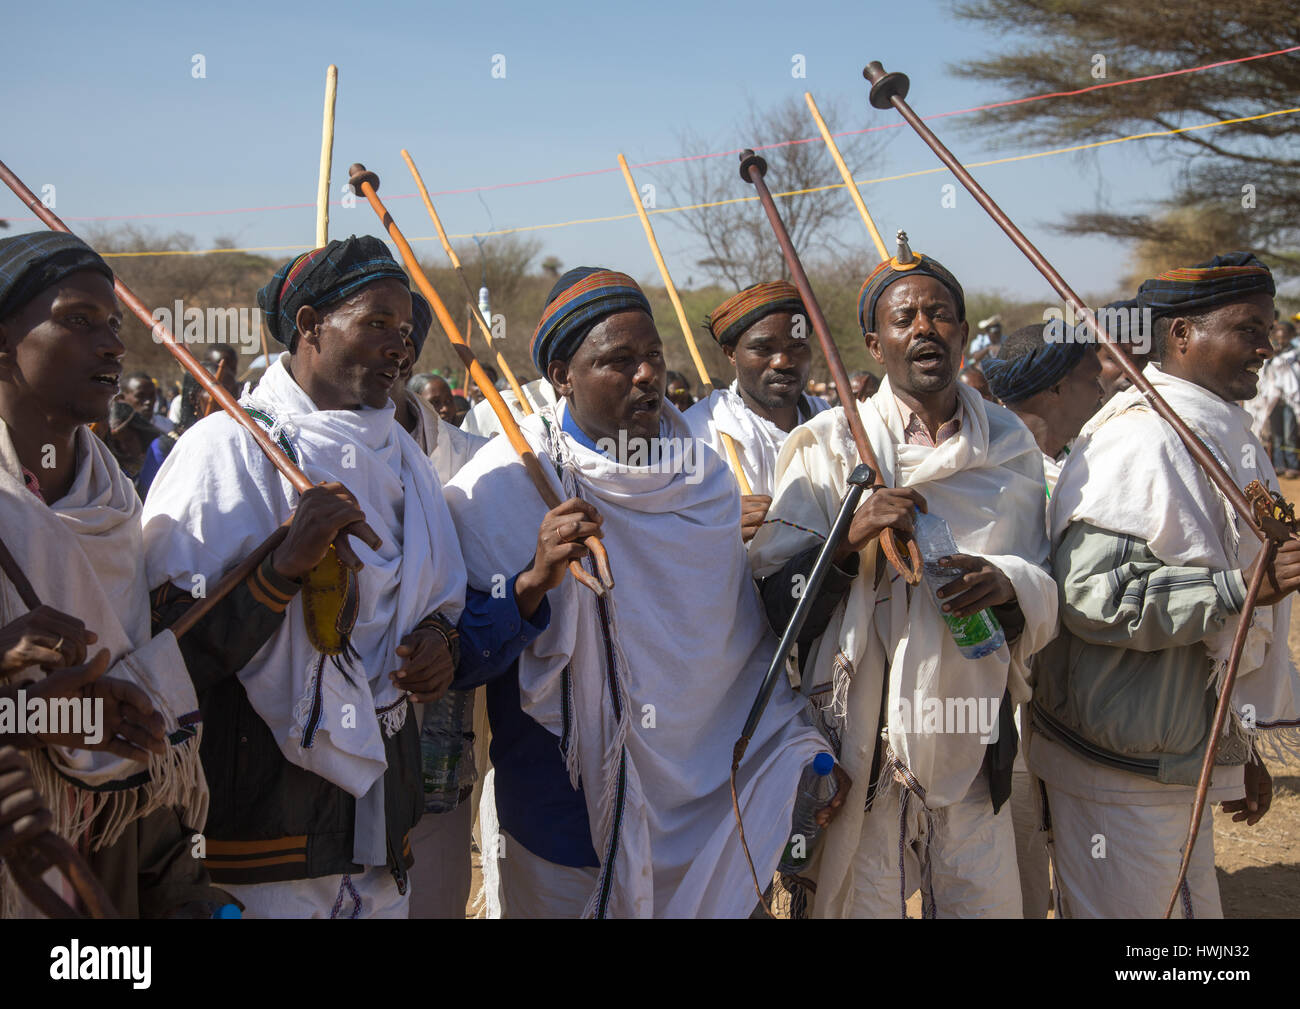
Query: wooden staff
[[366, 183], [326, 158], [890, 89], [227, 402], [221, 368], [847, 176], [727, 440], [475, 314], [752, 170]]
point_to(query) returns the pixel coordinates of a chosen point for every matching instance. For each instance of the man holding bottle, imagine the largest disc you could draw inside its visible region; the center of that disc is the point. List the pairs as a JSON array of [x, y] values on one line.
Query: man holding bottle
[[893, 687]]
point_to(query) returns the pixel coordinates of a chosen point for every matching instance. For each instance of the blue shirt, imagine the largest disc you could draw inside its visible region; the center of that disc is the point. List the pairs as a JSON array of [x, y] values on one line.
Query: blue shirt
[[536, 804]]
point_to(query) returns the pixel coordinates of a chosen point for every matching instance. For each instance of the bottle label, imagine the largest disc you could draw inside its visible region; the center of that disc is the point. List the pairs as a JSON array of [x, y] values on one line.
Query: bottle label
[[972, 630]]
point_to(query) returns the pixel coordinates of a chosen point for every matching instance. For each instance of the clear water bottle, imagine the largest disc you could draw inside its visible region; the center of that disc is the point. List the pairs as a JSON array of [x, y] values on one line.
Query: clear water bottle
[[816, 789], [446, 754], [980, 633]]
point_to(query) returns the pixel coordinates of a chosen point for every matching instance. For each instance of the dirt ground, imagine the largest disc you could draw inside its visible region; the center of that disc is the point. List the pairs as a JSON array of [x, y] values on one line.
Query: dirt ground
[[1259, 866]]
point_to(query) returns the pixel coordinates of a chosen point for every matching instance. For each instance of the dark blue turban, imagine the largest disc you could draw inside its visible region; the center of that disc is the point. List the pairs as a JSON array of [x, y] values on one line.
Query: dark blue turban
[[579, 300], [33, 262], [321, 277], [421, 320], [1187, 291], [1027, 363]]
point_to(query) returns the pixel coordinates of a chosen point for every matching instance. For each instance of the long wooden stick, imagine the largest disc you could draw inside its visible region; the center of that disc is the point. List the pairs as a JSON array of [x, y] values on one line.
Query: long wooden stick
[[689, 336], [326, 158], [227, 402], [847, 176], [365, 182], [1268, 552], [483, 324], [752, 169], [891, 89]]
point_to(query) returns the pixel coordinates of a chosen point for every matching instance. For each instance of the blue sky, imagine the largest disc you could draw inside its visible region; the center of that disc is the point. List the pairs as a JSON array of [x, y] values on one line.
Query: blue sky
[[110, 114]]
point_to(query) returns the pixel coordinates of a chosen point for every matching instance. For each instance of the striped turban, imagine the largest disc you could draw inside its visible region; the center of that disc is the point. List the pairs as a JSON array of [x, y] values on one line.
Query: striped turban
[[1194, 289], [421, 320], [579, 300], [30, 263], [1027, 363], [322, 277], [735, 315], [892, 270]]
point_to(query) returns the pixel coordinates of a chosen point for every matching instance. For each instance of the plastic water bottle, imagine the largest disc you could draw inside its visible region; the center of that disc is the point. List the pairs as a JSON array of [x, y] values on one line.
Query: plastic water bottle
[[816, 789], [446, 738], [980, 633]]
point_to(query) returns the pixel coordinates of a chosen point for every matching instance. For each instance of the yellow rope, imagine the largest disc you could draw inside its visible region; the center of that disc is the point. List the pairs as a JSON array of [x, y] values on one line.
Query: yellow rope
[[750, 199]]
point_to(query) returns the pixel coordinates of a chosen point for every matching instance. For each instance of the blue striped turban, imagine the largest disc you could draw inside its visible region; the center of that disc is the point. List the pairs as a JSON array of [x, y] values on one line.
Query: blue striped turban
[[1194, 289], [321, 277], [30, 263], [1026, 363], [421, 320], [892, 270], [579, 300]]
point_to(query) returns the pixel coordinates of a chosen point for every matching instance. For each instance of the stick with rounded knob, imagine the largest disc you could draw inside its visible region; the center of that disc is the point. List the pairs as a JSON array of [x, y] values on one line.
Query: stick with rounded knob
[[906, 560], [367, 183]]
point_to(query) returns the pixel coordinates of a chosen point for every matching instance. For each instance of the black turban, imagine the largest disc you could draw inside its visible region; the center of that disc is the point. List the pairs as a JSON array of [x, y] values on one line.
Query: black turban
[[321, 277], [31, 263]]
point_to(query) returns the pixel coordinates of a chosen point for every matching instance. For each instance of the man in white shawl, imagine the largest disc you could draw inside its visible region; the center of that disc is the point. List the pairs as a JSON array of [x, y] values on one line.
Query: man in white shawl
[[925, 733], [131, 793], [313, 749], [629, 704], [764, 330], [1152, 565]]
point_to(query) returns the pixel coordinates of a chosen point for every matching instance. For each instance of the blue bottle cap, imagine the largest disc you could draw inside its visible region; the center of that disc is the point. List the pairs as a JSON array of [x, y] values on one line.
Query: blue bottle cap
[[228, 911], [823, 763]]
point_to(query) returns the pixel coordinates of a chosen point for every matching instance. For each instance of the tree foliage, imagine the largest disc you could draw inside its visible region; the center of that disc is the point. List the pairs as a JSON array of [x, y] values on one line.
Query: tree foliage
[[1052, 46]]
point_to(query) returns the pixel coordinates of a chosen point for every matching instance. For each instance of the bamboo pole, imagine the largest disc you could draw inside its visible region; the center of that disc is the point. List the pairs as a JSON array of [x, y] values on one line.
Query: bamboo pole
[[847, 176], [326, 158], [727, 441], [475, 314]]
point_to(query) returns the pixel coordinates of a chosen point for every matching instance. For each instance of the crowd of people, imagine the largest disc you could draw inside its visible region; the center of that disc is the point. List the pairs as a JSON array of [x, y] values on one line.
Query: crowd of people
[[320, 702]]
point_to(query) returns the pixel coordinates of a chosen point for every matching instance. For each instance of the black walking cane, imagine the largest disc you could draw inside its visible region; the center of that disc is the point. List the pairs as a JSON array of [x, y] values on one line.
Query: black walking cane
[[860, 479]]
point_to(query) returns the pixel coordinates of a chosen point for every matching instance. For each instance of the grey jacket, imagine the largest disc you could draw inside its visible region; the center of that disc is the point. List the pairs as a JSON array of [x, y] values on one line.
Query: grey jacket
[[1127, 681]]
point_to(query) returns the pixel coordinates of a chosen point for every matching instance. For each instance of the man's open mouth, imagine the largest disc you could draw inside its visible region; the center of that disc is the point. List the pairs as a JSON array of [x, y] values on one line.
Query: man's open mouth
[[647, 405], [108, 378]]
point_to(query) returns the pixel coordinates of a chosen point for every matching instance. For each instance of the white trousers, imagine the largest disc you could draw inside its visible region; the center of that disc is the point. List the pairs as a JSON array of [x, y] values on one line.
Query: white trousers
[[371, 894], [1031, 844], [532, 887], [440, 877], [962, 854], [1120, 861]]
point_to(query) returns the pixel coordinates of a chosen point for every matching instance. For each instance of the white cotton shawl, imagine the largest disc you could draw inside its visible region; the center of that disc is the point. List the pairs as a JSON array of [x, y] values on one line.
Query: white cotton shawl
[[446, 445], [690, 647], [217, 497], [758, 440], [1129, 473], [987, 482], [82, 555]]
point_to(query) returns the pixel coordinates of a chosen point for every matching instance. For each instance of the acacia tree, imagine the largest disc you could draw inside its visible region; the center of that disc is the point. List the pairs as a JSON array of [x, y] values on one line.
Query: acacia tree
[[1247, 174]]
